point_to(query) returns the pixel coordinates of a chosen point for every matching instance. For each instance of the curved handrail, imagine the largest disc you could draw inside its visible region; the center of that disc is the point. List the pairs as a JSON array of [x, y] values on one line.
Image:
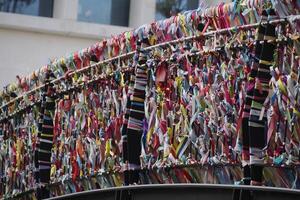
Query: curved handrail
[[217, 187]]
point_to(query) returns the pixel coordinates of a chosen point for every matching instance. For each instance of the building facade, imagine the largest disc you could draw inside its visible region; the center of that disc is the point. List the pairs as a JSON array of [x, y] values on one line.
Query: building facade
[[32, 32]]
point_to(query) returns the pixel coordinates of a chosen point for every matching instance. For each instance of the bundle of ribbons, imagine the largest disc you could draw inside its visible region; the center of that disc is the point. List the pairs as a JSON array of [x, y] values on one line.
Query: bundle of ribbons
[[208, 96]]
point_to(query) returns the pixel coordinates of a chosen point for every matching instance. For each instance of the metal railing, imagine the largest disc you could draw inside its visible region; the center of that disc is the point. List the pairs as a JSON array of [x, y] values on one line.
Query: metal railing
[[186, 191]]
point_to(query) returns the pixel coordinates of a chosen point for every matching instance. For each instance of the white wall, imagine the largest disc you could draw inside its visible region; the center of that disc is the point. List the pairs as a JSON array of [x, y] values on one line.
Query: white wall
[[65, 9], [28, 42], [141, 12], [21, 52]]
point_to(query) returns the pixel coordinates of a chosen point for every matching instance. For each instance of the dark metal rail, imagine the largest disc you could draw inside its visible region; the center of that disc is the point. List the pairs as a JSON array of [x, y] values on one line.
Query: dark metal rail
[[185, 191]]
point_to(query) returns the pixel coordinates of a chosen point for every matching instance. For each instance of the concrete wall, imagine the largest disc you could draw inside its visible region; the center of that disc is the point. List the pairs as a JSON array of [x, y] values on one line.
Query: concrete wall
[[21, 52], [141, 12], [28, 42]]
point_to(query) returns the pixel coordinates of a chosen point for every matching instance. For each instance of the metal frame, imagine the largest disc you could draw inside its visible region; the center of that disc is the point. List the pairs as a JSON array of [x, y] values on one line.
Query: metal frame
[[161, 191]]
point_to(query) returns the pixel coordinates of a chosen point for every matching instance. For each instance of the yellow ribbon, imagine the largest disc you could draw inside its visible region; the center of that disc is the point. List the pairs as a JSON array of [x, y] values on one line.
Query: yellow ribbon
[[107, 147], [281, 86]]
